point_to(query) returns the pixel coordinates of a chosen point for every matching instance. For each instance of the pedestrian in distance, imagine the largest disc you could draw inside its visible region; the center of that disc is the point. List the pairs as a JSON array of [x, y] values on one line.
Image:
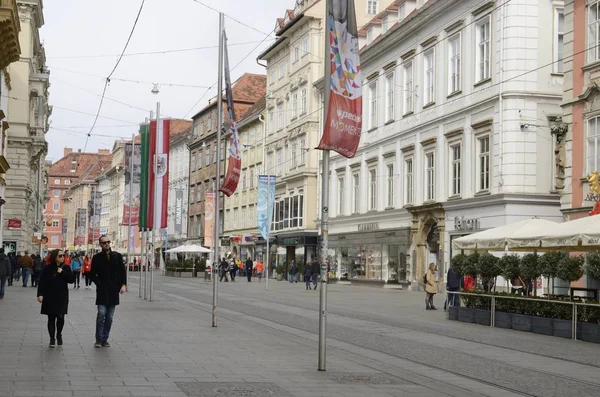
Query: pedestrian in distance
[[86, 269], [453, 285], [223, 269], [249, 266], [294, 273], [38, 267], [53, 294], [316, 270], [232, 269], [67, 258], [76, 265], [5, 270], [109, 276], [13, 267], [260, 268], [26, 265], [307, 274], [431, 287]]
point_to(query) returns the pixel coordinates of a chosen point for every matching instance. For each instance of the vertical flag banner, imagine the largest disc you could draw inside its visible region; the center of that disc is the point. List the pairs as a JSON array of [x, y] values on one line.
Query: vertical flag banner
[[178, 210], [234, 164], [80, 226], [159, 152], [265, 204], [132, 204], [145, 135], [343, 123], [65, 225], [209, 219], [94, 210]]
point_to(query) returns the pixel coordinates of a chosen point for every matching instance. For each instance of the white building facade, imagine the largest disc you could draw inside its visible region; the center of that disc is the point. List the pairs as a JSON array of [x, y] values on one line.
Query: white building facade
[[457, 110]]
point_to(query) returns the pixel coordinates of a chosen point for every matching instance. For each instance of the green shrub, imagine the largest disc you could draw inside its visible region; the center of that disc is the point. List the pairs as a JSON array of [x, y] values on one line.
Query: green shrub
[[592, 267], [530, 267], [457, 264], [510, 266], [549, 263], [570, 268], [471, 265], [279, 269]]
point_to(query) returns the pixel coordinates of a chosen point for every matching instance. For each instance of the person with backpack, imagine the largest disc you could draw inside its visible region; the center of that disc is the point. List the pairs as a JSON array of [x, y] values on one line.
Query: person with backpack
[[76, 265], [38, 266], [85, 270]]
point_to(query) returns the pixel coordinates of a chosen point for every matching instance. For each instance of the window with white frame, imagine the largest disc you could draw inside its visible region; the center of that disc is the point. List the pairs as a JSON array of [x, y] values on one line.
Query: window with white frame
[[482, 55], [302, 151], [356, 192], [57, 181], [259, 134], [199, 162], [373, 105], [408, 181], [235, 218], [304, 45], [56, 193], [207, 156], [594, 32], [281, 70], [279, 161], [244, 180], [372, 7], [430, 176], [215, 154], [483, 164], [280, 117], [454, 64], [303, 101], [372, 189], [54, 239], [272, 76], [296, 53], [429, 82], [409, 94], [271, 121], [67, 181], [54, 222], [593, 145], [559, 34], [389, 97], [294, 155], [385, 24], [193, 161], [270, 170], [455, 169], [251, 178], [390, 185], [369, 35], [401, 12], [341, 196], [294, 104], [243, 218]]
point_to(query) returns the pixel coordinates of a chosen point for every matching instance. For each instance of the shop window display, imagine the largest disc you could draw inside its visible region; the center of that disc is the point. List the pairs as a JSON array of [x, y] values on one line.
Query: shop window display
[[383, 262]]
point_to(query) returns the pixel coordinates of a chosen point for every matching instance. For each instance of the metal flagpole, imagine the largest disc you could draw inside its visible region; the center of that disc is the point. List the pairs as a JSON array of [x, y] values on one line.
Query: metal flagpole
[[217, 220], [130, 207], [268, 265], [156, 219], [324, 205], [146, 268], [142, 257]]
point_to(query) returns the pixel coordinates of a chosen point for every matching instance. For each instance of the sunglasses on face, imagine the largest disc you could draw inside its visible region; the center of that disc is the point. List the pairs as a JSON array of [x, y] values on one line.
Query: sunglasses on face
[[60, 256]]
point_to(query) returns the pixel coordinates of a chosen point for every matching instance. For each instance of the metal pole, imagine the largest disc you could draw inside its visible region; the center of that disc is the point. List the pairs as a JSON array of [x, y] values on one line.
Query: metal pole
[[130, 207], [146, 267], [142, 257], [155, 218], [324, 209], [218, 169]]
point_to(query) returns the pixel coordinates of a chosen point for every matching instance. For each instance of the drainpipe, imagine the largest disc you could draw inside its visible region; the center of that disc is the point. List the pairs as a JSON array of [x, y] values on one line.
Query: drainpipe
[[501, 100], [264, 142]]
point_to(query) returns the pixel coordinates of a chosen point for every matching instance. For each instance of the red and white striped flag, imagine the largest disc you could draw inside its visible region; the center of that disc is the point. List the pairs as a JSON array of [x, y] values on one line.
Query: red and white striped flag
[[158, 210]]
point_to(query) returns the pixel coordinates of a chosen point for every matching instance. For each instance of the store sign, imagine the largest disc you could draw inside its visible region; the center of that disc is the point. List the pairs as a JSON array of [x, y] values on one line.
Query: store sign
[[368, 227], [250, 238], [178, 210], [466, 224], [290, 241], [14, 224]]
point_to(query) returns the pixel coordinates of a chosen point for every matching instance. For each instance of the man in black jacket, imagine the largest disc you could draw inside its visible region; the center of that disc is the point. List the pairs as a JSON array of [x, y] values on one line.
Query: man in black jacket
[[108, 273], [4, 271], [316, 271], [249, 266]]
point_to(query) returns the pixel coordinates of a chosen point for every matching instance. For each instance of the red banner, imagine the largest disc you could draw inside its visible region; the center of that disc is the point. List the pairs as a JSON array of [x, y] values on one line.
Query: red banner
[[234, 164], [343, 124], [14, 224]]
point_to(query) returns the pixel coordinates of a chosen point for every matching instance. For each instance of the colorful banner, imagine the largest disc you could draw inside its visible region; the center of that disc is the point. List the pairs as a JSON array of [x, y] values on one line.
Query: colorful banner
[[178, 210], [265, 204], [158, 187], [132, 184], [80, 222], [143, 213], [94, 211], [65, 225], [234, 164], [209, 219], [343, 124]]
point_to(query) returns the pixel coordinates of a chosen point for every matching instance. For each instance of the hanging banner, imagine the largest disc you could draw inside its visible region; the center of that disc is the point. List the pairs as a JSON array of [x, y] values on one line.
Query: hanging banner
[[343, 122], [80, 220], [209, 219], [143, 211], [265, 204], [132, 184], [178, 210], [234, 163], [158, 186], [64, 231]]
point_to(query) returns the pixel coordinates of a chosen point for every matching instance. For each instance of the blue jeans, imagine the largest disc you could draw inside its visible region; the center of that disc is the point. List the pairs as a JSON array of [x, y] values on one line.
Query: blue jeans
[[2, 286], [25, 273], [104, 321], [293, 278], [315, 278]]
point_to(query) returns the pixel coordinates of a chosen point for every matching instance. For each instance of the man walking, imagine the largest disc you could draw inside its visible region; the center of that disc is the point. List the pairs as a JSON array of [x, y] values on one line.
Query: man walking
[[294, 273], [316, 271], [249, 266], [26, 264], [4, 271], [108, 273]]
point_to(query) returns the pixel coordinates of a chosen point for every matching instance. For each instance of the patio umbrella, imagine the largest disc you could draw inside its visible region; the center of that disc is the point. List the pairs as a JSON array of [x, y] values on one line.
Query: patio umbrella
[[584, 233], [190, 249], [524, 234]]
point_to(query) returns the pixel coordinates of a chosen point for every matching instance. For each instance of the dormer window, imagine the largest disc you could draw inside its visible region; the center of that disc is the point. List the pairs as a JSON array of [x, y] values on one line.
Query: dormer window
[[385, 24], [369, 35]]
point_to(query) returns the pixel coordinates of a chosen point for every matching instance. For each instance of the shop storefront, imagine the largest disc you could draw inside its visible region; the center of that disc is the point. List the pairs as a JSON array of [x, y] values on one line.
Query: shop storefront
[[377, 256], [297, 248]]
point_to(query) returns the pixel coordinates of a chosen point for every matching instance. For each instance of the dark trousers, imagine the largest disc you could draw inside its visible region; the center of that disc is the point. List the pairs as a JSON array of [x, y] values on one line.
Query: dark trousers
[[315, 278], [77, 278], [224, 276], [429, 300], [249, 274], [452, 299], [56, 322], [307, 281], [35, 279], [232, 274]]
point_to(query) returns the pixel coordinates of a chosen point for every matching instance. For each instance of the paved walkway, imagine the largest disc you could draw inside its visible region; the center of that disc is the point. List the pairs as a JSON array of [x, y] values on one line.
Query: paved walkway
[[382, 343]]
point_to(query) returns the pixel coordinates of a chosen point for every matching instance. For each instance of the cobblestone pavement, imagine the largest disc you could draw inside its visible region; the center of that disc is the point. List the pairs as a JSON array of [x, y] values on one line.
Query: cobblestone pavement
[[381, 343]]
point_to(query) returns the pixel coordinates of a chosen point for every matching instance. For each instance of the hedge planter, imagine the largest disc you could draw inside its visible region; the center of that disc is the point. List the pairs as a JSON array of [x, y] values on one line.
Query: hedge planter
[[502, 320], [521, 322], [542, 326], [482, 317], [588, 332], [466, 315], [562, 328], [453, 313]]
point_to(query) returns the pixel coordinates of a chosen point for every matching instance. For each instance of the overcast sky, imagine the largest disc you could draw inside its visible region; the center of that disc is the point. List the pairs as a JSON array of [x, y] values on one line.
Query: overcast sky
[[83, 39]]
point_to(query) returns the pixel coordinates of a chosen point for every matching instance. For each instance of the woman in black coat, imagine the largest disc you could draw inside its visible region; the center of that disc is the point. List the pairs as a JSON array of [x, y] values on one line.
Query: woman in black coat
[[53, 294]]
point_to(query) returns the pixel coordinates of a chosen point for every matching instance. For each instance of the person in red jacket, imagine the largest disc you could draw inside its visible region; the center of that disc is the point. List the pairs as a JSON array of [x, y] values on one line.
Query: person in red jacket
[[85, 270]]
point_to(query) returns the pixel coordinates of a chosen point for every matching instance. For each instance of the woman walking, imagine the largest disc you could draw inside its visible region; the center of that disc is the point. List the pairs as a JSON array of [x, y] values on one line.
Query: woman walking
[[85, 270], [53, 294], [76, 266]]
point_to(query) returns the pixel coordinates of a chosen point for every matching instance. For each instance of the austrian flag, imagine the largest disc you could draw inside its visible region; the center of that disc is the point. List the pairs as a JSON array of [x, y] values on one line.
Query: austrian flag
[[158, 192]]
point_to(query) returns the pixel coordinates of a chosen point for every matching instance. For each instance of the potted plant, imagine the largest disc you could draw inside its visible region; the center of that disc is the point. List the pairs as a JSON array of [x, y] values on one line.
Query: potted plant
[[530, 269], [301, 272], [279, 271], [470, 266], [488, 269], [592, 267], [549, 267]]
